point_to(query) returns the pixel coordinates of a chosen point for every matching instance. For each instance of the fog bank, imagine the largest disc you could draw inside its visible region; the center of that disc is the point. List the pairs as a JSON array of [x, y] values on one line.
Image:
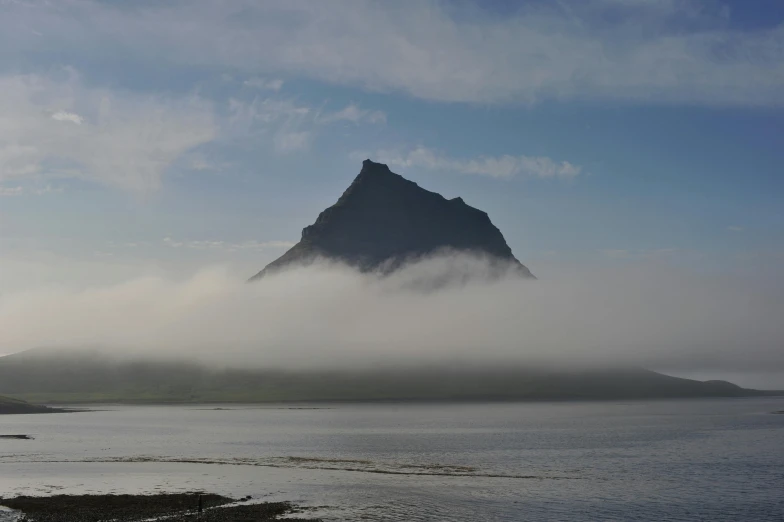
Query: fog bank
[[328, 315]]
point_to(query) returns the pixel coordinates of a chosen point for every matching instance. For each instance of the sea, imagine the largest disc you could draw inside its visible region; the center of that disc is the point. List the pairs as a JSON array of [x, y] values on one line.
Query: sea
[[675, 460]]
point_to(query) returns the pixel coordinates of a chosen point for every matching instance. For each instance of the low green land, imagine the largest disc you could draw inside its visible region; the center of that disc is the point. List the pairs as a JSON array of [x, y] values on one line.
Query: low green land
[[9, 405], [88, 377]]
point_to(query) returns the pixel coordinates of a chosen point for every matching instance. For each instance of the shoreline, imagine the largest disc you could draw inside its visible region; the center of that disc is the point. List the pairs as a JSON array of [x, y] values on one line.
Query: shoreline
[[195, 505], [79, 406]]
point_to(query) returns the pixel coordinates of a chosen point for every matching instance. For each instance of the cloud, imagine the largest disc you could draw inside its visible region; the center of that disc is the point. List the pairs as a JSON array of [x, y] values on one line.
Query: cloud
[[292, 125], [639, 254], [11, 191], [352, 113], [264, 83], [67, 116], [286, 142], [199, 162], [505, 166], [646, 315], [735, 228], [251, 245], [60, 128], [265, 115], [647, 52], [35, 189]]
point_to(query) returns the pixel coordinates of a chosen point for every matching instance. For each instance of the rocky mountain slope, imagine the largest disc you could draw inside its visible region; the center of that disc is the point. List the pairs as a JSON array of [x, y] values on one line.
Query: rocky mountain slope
[[384, 220]]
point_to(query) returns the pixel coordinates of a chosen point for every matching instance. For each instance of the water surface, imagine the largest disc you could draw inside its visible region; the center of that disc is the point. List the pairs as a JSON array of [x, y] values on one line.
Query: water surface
[[712, 459]]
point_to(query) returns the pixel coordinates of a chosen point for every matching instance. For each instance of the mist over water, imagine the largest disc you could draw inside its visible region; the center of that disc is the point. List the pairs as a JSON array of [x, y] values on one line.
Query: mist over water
[[328, 315]]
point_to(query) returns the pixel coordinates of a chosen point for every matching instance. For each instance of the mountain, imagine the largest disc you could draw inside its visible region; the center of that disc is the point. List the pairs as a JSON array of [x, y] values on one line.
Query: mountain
[[89, 376], [384, 220]]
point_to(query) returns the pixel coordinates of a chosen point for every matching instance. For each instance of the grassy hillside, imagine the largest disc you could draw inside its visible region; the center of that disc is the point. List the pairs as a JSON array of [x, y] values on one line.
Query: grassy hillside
[[67, 377]]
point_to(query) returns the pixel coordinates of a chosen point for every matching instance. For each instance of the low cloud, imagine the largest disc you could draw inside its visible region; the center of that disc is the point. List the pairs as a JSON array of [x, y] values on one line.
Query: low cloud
[[505, 166], [328, 315]]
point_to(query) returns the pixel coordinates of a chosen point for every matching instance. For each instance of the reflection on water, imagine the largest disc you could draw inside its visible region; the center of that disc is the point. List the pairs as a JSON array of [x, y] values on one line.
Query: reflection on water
[[668, 460]]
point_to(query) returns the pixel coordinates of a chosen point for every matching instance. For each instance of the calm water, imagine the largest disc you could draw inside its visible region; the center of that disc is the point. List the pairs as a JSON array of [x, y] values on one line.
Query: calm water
[[670, 460]]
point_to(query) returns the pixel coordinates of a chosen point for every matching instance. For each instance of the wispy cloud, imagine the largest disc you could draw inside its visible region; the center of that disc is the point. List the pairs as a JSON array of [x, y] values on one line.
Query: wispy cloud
[[286, 142], [61, 128], [199, 161], [650, 52], [354, 114], [11, 191], [264, 83], [735, 228], [293, 125], [639, 254], [67, 116], [505, 166], [228, 246]]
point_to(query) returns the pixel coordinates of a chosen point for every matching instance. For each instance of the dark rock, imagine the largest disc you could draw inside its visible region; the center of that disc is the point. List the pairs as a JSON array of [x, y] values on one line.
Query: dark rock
[[383, 221], [136, 508]]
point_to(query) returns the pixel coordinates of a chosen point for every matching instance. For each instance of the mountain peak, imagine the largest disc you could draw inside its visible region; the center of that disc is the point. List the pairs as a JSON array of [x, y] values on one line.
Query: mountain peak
[[379, 173], [369, 164], [383, 220]]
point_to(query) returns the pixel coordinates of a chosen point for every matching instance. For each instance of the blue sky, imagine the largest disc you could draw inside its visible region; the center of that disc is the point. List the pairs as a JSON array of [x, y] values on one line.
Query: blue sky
[[147, 136]]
